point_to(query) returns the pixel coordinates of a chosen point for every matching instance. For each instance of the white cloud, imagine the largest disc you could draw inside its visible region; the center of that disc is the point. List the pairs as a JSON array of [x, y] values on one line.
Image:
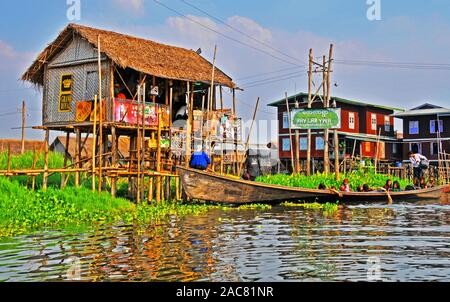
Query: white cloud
[[135, 6]]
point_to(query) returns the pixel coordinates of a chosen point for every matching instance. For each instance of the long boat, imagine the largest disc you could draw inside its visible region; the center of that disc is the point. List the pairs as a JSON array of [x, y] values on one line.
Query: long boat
[[211, 187]]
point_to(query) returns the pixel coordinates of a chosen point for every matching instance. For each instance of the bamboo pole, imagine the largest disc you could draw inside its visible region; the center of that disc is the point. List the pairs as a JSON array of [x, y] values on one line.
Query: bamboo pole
[[100, 96], [326, 105], [9, 157], [377, 153], [138, 145], [24, 111], [33, 178], [45, 178], [150, 190], [336, 133], [77, 155], [94, 143], [66, 158], [290, 133], [188, 127], [142, 163], [114, 159], [213, 78], [171, 105], [235, 164], [241, 166], [158, 159]]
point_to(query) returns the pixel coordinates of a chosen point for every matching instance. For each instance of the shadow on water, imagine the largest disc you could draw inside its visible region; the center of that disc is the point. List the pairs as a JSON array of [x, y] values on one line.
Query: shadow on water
[[410, 243]]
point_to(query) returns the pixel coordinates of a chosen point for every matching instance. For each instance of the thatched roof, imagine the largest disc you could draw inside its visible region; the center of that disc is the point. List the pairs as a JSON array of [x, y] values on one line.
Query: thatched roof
[[146, 56]]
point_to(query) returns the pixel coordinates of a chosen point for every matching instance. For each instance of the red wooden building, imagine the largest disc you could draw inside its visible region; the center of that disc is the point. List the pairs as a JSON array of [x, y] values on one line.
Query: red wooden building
[[362, 126]]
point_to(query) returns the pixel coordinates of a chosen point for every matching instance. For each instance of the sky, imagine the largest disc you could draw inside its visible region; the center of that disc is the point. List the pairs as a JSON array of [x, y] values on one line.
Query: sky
[[262, 45]]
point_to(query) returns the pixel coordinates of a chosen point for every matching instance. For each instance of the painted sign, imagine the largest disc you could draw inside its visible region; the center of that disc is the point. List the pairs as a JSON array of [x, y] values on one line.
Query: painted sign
[[65, 93], [127, 111], [316, 119], [85, 111]]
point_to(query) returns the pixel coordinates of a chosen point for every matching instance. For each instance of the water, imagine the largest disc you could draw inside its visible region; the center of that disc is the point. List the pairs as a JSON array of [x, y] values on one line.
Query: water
[[358, 243]]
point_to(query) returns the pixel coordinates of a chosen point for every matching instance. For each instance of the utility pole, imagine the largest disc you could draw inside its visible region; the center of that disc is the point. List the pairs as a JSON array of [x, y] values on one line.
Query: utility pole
[[326, 105], [310, 100], [336, 134], [24, 113]]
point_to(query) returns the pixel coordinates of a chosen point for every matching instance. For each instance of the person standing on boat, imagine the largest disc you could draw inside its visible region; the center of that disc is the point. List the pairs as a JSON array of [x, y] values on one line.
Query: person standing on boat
[[252, 166], [419, 163], [200, 160]]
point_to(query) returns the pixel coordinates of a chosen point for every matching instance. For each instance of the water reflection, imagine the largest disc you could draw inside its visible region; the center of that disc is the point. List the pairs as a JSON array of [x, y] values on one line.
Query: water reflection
[[411, 241]]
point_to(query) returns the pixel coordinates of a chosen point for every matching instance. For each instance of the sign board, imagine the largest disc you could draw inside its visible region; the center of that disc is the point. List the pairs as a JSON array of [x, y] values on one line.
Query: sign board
[[128, 111], [65, 93], [85, 111], [304, 119]]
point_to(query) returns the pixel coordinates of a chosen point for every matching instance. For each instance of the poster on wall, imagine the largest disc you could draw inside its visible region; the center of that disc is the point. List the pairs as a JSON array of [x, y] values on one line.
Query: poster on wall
[[65, 93], [85, 111], [126, 111]]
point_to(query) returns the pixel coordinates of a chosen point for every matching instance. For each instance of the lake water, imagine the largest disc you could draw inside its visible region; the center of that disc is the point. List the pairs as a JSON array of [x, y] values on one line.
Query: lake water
[[357, 243]]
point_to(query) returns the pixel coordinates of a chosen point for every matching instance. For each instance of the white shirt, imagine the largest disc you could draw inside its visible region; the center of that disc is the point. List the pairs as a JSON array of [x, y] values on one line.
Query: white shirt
[[416, 159]]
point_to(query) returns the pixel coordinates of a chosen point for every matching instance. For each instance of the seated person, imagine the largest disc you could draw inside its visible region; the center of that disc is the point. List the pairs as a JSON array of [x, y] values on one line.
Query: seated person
[[396, 187], [345, 186], [360, 189], [366, 188], [322, 187], [200, 160], [388, 185]]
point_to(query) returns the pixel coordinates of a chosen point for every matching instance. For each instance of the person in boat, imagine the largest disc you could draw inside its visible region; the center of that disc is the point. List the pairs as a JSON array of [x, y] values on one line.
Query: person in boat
[[366, 188], [346, 186], [360, 189], [322, 187], [388, 185], [419, 163], [252, 166], [396, 187], [200, 160]]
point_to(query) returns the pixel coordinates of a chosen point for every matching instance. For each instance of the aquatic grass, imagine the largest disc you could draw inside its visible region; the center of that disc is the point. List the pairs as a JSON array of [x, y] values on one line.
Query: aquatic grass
[[22, 210], [356, 178], [328, 208]]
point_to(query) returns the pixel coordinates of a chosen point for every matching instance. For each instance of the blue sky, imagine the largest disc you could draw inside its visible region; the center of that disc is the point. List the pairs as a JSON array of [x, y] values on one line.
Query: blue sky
[[410, 31]]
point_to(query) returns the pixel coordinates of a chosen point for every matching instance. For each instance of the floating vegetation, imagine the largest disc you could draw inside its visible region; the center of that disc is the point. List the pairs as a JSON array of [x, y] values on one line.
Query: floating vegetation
[[326, 207], [22, 210]]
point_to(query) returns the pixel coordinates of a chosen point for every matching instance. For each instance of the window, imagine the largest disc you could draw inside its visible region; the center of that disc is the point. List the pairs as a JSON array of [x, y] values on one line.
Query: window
[[414, 127], [374, 121], [351, 121], [387, 124], [416, 147], [320, 143], [286, 144], [395, 149], [303, 144], [434, 148], [285, 120], [435, 125]]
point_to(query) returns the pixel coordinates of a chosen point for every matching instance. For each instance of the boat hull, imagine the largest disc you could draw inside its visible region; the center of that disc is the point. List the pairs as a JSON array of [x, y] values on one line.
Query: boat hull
[[198, 185]]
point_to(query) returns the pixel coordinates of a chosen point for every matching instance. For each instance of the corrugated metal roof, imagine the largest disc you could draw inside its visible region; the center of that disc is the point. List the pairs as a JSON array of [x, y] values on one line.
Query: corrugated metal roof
[[338, 99], [422, 112]]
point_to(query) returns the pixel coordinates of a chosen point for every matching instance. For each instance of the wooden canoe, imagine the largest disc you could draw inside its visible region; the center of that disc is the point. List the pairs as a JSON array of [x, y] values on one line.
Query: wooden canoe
[[204, 186]]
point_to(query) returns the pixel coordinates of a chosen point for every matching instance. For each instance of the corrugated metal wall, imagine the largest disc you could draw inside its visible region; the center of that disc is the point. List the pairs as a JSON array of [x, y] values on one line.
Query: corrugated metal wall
[[79, 60]]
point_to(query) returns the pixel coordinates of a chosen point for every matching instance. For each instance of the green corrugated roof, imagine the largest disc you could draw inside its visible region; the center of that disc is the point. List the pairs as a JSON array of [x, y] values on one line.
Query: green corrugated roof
[[346, 101]]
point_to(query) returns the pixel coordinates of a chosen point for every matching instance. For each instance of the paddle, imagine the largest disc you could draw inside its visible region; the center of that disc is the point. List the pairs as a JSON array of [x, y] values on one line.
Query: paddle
[[391, 201]]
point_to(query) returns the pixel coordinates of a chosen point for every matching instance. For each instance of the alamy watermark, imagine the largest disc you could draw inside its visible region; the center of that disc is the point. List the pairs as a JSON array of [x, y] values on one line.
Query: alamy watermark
[[374, 10], [73, 10]]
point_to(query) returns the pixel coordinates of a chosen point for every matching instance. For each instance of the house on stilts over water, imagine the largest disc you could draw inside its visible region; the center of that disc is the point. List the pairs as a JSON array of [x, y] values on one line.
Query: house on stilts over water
[[164, 99]]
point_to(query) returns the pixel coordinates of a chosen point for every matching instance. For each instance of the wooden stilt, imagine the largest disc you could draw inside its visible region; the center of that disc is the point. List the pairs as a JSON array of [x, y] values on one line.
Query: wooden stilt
[[94, 143], [45, 178], [158, 158], [33, 178], [66, 158], [100, 96], [77, 155], [114, 159], [150, 190]]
